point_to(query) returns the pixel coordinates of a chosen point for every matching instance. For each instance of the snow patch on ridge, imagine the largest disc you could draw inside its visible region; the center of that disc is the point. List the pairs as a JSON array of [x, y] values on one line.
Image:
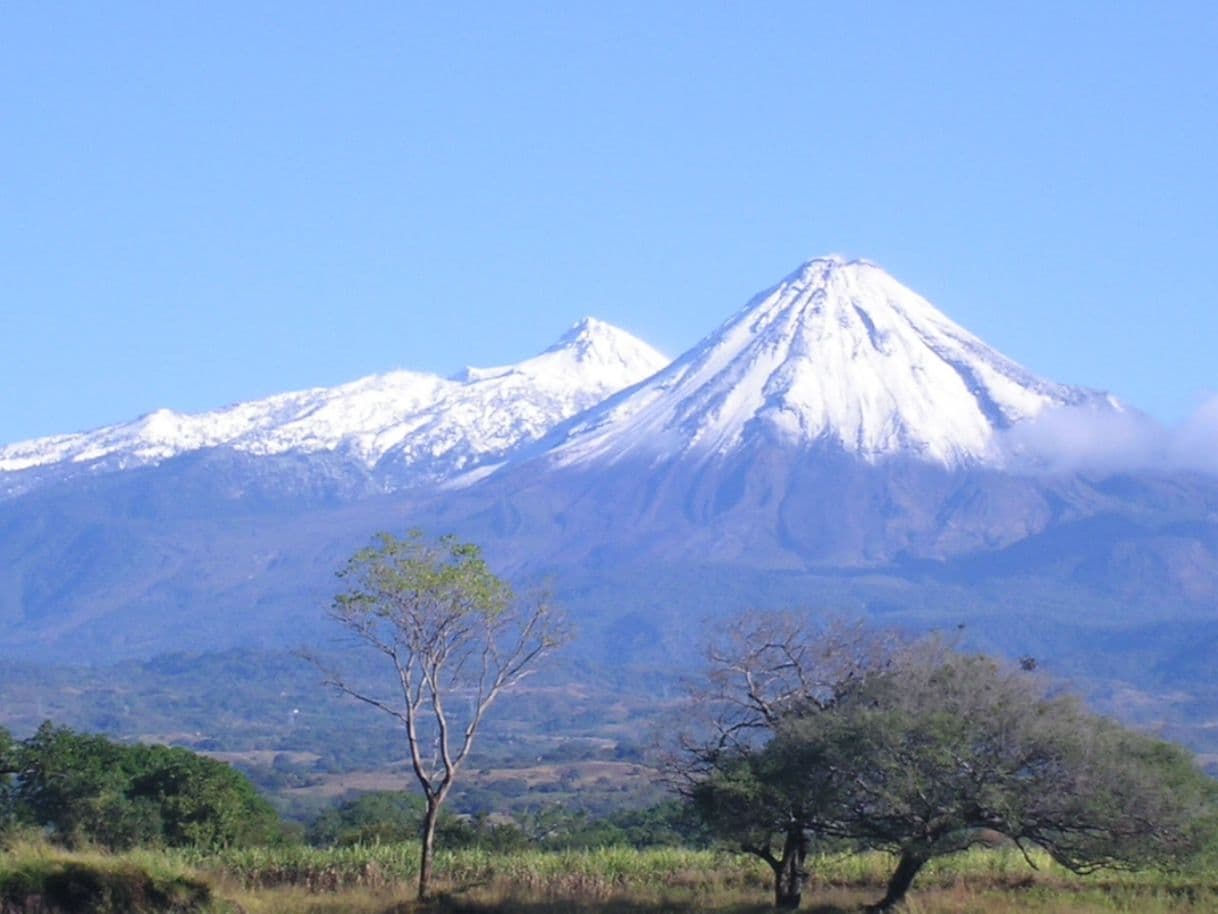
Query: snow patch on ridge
[[441, 425], [837, 354]]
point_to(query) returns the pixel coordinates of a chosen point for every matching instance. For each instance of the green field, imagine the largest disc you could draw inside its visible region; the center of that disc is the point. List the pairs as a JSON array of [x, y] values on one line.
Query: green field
[[379, 879]]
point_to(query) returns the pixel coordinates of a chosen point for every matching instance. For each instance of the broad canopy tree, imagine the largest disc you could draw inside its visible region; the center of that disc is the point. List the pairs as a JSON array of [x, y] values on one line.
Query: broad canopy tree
[[85, 789], [923, 751], [455, 637], [765, 670], [944, 750]]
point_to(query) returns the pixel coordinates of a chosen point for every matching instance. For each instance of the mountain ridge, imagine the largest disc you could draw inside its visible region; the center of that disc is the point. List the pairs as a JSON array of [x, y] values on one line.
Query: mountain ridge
[[427, 426], [253, 538]]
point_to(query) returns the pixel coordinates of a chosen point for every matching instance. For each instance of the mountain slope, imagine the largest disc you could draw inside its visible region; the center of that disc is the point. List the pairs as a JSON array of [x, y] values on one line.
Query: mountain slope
[[838, 445], [838, 434], [837, 420], [415, 427], [837, 353]]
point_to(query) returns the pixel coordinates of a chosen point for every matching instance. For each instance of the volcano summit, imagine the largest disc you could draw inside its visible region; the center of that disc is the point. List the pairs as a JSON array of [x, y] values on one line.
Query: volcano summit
[[837, 441], [838, 353]]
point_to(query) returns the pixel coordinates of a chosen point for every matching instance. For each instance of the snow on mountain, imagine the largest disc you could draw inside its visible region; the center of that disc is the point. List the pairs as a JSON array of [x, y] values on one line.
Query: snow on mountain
[[492, 411], [436, 426], [839, 352]]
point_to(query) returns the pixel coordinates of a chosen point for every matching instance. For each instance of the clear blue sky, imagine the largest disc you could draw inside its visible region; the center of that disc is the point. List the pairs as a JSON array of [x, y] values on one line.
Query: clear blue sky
[[209, 202]]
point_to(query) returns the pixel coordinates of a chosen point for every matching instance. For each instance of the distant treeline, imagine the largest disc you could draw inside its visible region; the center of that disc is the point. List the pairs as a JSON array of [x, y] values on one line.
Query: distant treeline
[[84, 789]]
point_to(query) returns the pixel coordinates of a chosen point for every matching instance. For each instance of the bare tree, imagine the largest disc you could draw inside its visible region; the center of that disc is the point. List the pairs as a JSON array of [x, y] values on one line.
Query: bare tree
[[767, 668], [456, 639]]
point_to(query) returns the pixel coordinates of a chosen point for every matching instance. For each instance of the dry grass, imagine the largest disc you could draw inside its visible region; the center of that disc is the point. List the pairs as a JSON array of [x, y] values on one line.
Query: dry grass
[[961, 899], [35, 876], [620, 881], [379, 880]]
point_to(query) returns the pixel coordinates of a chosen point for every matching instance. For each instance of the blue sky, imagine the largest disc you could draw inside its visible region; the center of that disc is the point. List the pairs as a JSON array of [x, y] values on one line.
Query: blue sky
[[211, 202]]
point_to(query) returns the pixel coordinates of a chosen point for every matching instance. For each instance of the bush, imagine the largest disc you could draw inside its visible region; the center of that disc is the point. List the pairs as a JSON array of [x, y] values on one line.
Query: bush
[[87, 789]]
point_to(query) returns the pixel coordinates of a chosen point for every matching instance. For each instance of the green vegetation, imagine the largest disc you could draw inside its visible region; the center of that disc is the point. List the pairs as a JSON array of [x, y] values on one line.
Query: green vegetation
[[923, 752], [827, 762], [303, 746], [84, 789], [456, 638], [37, 877], [384, 817], [372, 879]]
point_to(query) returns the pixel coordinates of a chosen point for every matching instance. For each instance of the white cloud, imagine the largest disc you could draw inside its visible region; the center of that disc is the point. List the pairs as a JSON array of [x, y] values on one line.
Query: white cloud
[[1196, 441], [1101, 439]]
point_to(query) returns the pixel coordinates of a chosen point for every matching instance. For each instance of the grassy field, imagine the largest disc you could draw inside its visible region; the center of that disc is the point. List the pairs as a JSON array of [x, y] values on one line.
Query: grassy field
[[379, 880], [40, 879]]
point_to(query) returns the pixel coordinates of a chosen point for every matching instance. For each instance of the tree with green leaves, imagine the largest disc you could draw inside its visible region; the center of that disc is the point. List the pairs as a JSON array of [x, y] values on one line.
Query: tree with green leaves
[[388, 817], [455, 637], [765, 670], [377, 817], [942, 750], [922, 751], [200, 802], [75, 785], [85, 788]]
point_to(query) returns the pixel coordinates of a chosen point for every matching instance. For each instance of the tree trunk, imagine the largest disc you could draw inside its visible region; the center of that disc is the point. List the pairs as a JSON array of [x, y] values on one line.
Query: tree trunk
[[428, 846], [789, 874], [900, 882]]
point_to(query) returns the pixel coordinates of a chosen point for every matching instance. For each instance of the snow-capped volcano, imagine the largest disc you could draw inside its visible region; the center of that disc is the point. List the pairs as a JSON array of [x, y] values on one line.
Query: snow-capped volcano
[[837, 353], [422, 423], [837, 443]]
